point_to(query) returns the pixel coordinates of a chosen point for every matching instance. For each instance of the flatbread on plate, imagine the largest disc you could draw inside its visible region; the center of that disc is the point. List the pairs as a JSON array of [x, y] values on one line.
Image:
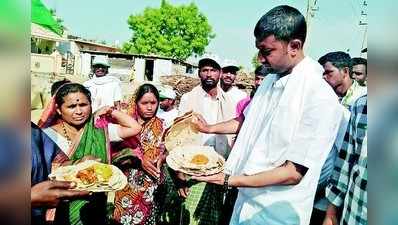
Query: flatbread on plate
[[92, 176], [182, 132], [196, 160]]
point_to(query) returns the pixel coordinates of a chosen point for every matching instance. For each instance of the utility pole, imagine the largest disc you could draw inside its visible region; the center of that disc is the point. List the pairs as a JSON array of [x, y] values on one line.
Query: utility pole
[[363, 23], [311, 9]]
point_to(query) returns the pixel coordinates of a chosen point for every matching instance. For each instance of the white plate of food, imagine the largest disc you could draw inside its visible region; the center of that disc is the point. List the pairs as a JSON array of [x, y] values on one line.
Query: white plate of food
[[91, 176], [196, 160]]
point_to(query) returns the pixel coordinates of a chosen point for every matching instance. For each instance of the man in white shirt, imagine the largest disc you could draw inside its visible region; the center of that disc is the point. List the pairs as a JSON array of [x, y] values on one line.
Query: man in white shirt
[[294, 116], [105, 90], [228, 75], [167, 110], [211, 102], [215, 105]]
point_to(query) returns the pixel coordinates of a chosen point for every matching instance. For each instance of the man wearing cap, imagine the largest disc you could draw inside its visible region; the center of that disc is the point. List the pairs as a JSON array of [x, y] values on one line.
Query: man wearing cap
[[228, 75], [167, 110], [204, 202], [105, 90]]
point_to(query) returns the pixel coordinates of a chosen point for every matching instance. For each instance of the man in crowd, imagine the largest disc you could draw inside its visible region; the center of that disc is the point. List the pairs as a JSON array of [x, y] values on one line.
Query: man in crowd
[[209, 100], [167, 111], [259, 75], [360, 70], [294, 116], [338, 70], [229, 72], [105, 89], [348, 186]]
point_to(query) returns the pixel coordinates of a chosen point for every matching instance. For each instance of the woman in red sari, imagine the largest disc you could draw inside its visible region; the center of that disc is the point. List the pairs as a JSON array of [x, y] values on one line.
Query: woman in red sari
[[142, 161]]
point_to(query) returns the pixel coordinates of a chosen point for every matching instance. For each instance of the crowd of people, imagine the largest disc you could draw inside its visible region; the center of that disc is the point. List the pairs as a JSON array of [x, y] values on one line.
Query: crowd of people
[[295, 147]]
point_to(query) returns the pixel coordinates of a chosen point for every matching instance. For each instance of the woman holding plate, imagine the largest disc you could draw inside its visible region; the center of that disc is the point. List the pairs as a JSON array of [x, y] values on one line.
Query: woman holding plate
[[68, 121], [141, 158]]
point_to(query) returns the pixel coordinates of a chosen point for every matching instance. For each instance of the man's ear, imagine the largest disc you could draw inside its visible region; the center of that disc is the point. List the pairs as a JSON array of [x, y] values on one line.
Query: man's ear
[[294, 46], [346, 72]]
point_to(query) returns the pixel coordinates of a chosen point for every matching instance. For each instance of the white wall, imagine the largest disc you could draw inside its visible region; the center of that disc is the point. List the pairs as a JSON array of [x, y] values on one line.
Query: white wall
[[41, 63], [139, 67], [85, 64], [121, 73], [162, 67]]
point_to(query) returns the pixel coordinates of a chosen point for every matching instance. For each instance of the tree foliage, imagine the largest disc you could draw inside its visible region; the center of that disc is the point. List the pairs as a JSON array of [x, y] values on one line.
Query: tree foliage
[[173, 31]]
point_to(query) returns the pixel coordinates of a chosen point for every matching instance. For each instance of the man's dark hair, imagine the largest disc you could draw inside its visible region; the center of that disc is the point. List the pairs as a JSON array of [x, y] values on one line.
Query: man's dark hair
[[338, 59], [262, 71], [284, 22], [56, 85], [360, 61]]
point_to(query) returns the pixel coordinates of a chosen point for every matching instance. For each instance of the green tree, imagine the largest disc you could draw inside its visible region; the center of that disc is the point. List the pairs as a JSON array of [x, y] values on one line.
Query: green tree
[[173, 31]]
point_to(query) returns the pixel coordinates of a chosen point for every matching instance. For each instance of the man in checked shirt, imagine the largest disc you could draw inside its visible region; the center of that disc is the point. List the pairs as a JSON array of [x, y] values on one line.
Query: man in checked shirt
[[348, 185]]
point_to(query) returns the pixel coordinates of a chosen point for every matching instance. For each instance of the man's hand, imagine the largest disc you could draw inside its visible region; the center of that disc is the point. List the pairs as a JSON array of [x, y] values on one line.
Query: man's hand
[[330, 220], [150, 167], [201, 123], [50, 193], [183, 190], [214, 179], [331, 216]]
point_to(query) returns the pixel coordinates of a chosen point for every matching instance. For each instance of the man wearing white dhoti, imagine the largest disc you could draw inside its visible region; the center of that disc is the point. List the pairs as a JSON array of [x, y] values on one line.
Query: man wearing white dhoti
[[293, 117]]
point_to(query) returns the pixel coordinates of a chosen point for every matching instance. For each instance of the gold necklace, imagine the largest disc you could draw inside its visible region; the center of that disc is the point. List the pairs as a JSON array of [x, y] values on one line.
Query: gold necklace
[[66, 134]]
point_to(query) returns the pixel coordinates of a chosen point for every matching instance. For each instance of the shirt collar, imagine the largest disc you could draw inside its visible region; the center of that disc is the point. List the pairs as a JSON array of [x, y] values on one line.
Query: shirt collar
[[206, 95]]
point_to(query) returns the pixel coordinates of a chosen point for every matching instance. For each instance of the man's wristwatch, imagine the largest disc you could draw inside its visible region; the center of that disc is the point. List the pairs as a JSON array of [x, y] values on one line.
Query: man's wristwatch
[[226, 178]]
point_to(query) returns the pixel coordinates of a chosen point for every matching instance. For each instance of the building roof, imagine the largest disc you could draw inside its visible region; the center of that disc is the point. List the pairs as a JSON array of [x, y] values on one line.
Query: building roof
[[131, 56], [93, 43], [38, 31]]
